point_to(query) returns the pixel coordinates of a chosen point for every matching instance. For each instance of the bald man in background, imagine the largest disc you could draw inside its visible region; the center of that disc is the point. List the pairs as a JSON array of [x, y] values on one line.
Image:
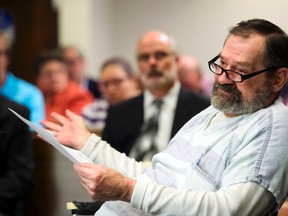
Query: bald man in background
[[127, 123], [190, 74]]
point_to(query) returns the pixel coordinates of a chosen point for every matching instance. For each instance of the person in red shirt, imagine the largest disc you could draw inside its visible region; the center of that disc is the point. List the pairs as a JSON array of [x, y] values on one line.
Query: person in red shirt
[[60, 93]]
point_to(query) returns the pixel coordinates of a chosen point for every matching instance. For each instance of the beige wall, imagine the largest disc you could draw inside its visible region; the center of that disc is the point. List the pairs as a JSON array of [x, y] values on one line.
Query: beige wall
[[87, 24], [111, 27]]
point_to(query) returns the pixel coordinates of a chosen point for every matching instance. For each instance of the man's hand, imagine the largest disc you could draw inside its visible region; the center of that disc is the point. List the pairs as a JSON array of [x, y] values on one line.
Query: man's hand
[[70, 130], [103, 183]]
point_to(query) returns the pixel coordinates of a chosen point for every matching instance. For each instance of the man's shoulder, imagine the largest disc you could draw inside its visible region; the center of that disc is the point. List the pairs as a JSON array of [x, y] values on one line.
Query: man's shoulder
[[21, 84], [130, 103], [19, 81]]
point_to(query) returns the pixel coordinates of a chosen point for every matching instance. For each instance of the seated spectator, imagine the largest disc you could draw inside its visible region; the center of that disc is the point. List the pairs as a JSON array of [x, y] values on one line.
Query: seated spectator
[[117, 83], [17, 89], [16, 159], [191, 76], [76, 67], [60, 93], [190, 73]]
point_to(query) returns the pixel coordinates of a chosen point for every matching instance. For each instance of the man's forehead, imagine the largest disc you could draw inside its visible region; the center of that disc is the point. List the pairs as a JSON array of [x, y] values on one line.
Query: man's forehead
[[154, 40], [236, 60], [244, 51]]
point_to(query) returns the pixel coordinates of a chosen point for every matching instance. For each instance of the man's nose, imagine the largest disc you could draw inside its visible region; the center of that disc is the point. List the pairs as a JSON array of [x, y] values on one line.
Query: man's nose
[[152, 60], [223, 79]]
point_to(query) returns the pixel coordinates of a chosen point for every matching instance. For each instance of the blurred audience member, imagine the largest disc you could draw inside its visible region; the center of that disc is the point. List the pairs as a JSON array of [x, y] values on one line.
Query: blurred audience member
[[117, 83], [16, 159], [207, 83], [76, 68], [142, 126], [17, 89], [60, 93], [7, 24], [191, 76]]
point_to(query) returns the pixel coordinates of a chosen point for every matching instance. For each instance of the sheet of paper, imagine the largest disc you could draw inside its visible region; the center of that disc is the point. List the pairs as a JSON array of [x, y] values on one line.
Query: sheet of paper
[[73, 155]]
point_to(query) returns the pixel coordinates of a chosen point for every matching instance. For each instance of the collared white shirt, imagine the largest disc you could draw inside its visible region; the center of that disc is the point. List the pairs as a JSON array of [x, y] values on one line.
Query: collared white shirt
[[165, 119]]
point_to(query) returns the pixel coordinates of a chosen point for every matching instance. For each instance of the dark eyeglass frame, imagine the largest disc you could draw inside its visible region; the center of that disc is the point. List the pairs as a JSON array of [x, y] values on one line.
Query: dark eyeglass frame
[[115, 82], [242, 77], [158, 55]]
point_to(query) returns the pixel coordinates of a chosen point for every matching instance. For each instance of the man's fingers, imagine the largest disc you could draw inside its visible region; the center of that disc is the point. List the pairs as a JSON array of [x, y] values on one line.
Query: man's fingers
[[51, 125], [70, 115], [83, 168], [60, 118]]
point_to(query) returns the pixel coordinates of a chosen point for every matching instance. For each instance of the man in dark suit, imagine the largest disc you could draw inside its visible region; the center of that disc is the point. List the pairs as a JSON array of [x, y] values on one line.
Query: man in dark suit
[[126, 124], [16, 159]]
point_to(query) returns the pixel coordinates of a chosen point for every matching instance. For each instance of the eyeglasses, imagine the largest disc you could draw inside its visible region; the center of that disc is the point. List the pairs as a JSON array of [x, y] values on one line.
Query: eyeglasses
[[114, 82], [234, 75], [159, 55]]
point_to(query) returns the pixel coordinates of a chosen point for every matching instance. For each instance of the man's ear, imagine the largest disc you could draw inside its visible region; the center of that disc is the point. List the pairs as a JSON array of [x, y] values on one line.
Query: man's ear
[[281, 77]]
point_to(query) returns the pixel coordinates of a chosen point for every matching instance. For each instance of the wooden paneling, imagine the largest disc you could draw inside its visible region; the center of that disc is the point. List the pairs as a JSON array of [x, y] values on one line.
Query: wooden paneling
[[36, 29]]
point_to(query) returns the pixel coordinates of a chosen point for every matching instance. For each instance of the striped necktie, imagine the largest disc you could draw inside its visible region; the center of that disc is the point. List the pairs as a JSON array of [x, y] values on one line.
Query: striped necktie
[[149, 131]]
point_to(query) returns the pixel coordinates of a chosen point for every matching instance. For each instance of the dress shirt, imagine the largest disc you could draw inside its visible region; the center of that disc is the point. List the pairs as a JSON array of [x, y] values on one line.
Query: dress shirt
[[94, 115], [166, 117]]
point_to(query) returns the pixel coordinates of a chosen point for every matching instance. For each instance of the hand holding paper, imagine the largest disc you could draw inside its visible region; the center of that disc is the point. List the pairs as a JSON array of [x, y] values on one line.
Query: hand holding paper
[[70, 130], [72, 154]]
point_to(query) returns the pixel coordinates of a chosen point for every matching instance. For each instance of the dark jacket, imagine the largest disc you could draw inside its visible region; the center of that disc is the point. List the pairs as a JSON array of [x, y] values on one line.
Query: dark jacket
[[16, 158], [124, 120]]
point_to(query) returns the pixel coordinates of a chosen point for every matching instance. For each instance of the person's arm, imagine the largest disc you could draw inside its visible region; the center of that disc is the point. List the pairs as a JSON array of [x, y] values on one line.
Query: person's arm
[[101, 152], [239, 199], [105, 184]]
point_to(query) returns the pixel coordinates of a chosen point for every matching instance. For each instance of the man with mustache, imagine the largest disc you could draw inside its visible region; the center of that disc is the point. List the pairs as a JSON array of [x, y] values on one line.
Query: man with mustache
[[127, 127], [230, 159]]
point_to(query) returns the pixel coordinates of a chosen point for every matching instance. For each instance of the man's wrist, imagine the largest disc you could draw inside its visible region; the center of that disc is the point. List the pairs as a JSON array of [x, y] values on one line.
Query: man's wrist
[[129, 188], [84, 139]]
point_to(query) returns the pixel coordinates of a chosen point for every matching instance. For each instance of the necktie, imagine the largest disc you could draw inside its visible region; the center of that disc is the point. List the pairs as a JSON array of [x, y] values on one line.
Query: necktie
[[149, 131]]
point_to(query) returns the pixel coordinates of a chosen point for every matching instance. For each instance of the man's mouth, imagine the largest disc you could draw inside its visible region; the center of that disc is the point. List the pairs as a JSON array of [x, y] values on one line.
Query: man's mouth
[[154, 73], [223, 91]]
